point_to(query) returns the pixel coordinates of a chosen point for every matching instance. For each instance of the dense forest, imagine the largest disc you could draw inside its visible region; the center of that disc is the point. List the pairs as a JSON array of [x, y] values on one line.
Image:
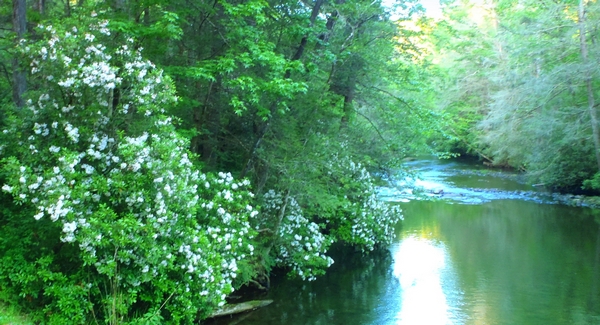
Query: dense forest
[[519, 81], [158, 155]]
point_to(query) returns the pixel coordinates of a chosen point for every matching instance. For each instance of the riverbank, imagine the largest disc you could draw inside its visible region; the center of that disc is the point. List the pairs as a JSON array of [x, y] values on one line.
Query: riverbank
[[570, 199], [469, 182]]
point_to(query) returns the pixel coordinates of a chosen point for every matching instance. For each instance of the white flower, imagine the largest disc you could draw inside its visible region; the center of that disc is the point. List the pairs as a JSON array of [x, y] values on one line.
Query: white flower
[[67, 82], [69, 227], [88, 169], [7, 188], [69, 238], [136, 166], [72, 132], [103, 143]]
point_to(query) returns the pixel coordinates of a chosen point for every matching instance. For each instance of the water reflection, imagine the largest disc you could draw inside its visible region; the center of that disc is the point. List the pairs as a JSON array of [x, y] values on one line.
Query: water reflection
[[516, 262], [429, 292], [356, 290]]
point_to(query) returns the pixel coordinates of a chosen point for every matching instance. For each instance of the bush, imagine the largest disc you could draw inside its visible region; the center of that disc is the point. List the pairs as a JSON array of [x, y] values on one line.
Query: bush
[[132, 231]]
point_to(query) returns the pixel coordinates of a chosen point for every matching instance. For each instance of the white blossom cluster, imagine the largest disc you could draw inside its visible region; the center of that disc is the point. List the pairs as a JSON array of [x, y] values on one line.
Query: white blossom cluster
[[300, 244], [229, 214], [372, 220], [132, 200]]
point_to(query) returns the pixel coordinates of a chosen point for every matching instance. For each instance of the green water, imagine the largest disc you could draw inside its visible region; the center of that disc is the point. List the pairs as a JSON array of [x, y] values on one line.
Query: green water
[[498, 262]]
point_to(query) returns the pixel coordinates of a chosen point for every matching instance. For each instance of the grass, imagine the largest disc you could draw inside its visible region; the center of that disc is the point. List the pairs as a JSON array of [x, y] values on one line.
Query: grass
[[9, 316]]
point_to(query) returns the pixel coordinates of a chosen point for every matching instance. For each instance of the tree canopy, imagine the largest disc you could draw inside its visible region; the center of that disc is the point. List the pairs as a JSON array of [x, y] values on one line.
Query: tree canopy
[[158, 155], [519, 81]]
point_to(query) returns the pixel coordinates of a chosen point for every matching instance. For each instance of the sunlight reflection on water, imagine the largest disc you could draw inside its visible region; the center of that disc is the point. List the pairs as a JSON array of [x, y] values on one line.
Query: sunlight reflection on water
[[428, 290]]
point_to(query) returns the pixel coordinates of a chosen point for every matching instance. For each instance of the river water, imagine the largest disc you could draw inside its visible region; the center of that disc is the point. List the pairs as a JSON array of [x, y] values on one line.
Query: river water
[[488, 250]]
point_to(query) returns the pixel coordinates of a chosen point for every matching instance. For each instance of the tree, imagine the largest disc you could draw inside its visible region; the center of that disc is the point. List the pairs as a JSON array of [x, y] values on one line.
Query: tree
[[19, 27], [529, 114], [588, 81]]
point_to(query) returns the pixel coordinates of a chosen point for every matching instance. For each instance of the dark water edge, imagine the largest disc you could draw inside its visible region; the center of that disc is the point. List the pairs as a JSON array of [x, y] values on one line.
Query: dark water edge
[[353, 275]]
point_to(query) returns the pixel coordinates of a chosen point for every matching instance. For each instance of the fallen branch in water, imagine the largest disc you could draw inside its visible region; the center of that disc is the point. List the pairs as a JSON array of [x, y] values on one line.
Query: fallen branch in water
[[240, 308]]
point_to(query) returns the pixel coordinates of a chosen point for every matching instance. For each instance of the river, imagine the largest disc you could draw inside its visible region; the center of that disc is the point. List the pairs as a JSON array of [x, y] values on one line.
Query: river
[[487, 250]]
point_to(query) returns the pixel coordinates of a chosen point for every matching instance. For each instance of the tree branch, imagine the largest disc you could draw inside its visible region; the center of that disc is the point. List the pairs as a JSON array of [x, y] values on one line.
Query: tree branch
[[373, 125]]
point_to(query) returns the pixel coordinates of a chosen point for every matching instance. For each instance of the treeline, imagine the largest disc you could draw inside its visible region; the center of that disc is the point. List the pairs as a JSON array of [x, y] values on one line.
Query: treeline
[[519, 82], [157, 155]]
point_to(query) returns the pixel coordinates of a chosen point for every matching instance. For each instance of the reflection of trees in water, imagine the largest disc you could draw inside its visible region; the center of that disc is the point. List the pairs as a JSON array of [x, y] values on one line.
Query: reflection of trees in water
[[594, 298], [352, 289], [349, 292], [520, 262]]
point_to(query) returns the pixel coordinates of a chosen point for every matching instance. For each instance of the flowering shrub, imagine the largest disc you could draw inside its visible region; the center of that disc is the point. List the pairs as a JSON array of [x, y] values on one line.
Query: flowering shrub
[[346, 211], [299, 243], [96, 155], [356, 217], [371, 222], [227, 213]]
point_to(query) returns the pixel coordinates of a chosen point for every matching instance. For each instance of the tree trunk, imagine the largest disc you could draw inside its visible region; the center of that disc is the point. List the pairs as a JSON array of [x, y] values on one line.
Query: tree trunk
[[19, 27], [588, 82], [302, 46], [288, 73]]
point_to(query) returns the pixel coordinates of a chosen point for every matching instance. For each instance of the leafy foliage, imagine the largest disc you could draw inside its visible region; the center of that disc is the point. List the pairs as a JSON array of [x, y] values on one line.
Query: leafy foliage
[[98, 158], [308, 101], [518, 85]]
